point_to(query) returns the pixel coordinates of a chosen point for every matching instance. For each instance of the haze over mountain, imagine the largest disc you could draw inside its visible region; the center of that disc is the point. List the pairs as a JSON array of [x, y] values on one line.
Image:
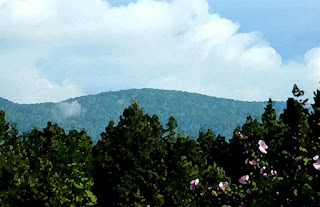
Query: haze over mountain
[[93, 112]]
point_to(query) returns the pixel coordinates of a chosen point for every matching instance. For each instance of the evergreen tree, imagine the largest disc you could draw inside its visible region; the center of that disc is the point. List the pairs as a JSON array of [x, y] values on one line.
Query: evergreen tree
[[132, 155]]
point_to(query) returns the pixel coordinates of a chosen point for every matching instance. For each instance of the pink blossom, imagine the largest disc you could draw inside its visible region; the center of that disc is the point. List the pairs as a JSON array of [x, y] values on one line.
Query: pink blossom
[[299, 168], [317, 164], [262, 169], [193, 184], [262, 146], [253, 162], [244, 179], [192, 187], [246, 161], [223, 185], [274, 172], [240, 135]]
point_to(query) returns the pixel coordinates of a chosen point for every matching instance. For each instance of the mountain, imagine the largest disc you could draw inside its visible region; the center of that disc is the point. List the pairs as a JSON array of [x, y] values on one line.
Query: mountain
[[4, 101], [93, 112]]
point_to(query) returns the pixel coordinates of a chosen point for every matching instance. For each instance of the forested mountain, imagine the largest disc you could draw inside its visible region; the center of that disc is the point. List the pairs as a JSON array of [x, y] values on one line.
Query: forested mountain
[[93, 112], [140, 162]]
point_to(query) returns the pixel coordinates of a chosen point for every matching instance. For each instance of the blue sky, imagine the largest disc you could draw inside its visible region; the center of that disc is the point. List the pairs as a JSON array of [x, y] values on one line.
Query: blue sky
[[51, 50], [291, 27]]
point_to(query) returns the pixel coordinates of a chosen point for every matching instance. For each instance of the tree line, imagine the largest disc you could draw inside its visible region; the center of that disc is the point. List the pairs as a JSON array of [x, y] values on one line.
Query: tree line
[[139, 162]]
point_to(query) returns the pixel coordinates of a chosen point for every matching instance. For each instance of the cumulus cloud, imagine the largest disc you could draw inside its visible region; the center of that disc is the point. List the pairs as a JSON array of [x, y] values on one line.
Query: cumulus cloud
[[69, 109], [22, 81], [65, 49]]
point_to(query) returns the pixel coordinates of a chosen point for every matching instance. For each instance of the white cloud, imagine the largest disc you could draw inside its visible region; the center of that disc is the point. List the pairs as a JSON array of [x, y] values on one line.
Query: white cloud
[[69, 109], [65, 49], [312, 59], [22, 81]]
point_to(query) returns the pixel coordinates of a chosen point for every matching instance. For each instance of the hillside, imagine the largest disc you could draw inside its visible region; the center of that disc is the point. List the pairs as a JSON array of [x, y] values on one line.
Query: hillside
[[93, 112]]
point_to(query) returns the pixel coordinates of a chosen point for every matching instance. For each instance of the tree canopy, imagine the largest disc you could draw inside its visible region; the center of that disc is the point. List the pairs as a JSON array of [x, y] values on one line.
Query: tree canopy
[[140, 162]]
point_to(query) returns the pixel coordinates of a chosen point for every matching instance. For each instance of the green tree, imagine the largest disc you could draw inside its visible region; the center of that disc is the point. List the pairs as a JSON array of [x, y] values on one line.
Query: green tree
[[132, 155], [12, 166]]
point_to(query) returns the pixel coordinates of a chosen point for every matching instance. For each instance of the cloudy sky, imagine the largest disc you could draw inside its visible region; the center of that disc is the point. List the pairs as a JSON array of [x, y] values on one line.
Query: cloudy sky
[[252, 50]]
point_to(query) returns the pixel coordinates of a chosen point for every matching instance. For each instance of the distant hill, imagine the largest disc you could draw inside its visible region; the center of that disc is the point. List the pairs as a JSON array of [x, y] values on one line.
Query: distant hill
[[4, 101], [93, 112]]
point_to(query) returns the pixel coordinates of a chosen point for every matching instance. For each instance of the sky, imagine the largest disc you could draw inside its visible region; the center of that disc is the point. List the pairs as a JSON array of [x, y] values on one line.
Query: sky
[[249, 50]]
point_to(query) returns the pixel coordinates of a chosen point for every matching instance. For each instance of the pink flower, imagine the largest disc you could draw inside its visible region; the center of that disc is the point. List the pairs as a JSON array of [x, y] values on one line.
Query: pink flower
[[253, 162], [244, 179], [223, 185], [193, 184], [246, 161], [317, 164], [299, 168], [274, 172], [262, 146], [240, 135], [262, 169]]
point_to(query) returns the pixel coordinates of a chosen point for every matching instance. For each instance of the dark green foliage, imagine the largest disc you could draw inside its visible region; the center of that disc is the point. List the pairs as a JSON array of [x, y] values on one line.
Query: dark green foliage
[[145, 165], [136, 152], [45, 168], [291, 148], [138, 162], [12, 166], [269, 116], [314, 118]]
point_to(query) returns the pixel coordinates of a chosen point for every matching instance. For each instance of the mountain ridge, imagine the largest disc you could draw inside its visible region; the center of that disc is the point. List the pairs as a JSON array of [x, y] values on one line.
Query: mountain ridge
[[192, 111], [132, 89]]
